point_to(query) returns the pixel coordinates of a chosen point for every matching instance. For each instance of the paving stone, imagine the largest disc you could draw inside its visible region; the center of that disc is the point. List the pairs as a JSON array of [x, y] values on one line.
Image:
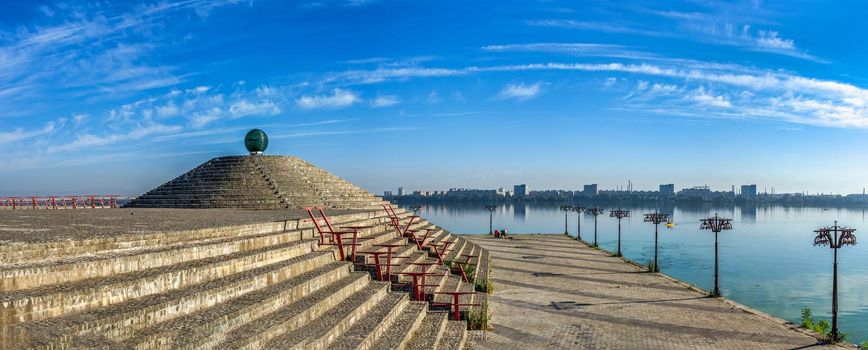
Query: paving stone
[[571, 296]]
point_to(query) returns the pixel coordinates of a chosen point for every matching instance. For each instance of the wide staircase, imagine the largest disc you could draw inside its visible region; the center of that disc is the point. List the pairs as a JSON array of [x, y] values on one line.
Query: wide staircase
[[257, 182], [276, 285]]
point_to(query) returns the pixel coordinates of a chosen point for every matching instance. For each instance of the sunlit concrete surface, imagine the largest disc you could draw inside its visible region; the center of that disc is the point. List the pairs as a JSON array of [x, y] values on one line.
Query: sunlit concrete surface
[[553, 292]]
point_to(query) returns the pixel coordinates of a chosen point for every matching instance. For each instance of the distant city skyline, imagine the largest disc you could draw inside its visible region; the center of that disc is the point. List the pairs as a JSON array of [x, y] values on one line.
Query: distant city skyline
[[664, 187], [118, 98]]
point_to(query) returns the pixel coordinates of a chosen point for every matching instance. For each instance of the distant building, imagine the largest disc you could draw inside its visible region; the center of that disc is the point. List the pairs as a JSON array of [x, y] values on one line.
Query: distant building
[[400, 191], [667, 190], [590, 189], [387, 193], [748, 192], [519, 191], [705, 194]]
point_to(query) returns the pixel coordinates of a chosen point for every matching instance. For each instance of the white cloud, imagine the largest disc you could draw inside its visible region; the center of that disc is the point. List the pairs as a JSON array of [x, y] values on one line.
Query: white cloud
[[338, 99], [433, 98], [203, 117], [755, 88], [384, 101], [93, 141], [708, 98], [744, 36], [521, 92], [21, 134], [385, 74], [168, 111], [246, 108], [573, 49], [98, 51], [80, 118], [583, 25]]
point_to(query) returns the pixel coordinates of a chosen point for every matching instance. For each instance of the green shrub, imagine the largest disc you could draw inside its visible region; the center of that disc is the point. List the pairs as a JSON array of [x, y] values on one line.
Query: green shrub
[[484, 285], [479, 318], [819, 326], [649, 267], [807, 318]]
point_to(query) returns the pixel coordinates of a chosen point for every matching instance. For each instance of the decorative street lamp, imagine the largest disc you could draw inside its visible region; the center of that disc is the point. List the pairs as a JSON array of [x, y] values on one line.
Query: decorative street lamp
[[416, 209], [567, 209], [715, 224], [835, 237], [579, 210], [656, 218], [619, 214], [491, 209], [596, 212]]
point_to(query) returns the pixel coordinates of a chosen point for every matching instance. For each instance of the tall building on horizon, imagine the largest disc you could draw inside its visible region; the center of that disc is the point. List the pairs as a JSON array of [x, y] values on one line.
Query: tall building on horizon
[[748, 192], [400, 191], [667, 189], [519, 191], [591, 189]]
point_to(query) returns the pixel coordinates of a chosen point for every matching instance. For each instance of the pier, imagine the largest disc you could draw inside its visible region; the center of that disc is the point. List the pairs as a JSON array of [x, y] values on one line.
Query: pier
[[553, 292]]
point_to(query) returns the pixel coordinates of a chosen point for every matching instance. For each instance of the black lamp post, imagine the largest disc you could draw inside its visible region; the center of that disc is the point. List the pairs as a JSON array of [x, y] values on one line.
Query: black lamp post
[[835, 237], [595, 212], [579, 210], [619, 214], [491, 209], [656, 218], [567, 209], [716, 224]]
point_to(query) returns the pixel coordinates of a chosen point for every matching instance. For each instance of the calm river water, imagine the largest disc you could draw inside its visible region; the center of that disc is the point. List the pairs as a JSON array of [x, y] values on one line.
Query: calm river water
[[767, 261]]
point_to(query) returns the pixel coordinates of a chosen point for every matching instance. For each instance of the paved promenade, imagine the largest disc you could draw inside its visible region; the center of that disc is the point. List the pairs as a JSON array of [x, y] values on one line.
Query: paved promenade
[[552, 292]]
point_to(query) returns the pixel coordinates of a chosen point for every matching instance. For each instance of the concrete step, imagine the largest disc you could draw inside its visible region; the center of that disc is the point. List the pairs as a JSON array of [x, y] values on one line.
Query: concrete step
[[286, 330], [210, 327], [124, 319], [56, 300], [454, 336], [367, 330], [399, 334], [430, 332], [34, 275], [21, 255]]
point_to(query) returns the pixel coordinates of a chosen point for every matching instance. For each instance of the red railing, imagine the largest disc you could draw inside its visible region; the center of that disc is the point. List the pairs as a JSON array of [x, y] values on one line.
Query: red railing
[[59, 202]]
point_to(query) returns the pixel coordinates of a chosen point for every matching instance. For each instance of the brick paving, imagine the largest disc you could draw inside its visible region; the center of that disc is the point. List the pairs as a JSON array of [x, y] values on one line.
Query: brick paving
[[552, 292]]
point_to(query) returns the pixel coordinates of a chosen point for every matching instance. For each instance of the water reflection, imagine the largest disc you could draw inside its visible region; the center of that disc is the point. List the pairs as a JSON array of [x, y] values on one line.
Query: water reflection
[[767, 261]]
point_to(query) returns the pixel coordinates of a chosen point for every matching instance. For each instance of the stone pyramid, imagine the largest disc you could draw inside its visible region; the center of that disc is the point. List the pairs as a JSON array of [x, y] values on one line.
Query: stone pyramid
[[257, 182]]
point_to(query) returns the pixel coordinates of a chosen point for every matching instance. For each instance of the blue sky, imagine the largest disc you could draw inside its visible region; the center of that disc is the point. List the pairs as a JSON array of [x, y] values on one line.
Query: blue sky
[[118, 98]]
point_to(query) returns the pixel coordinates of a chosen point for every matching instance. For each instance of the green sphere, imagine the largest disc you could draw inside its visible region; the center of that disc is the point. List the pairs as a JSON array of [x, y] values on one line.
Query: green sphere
[[256, 141]]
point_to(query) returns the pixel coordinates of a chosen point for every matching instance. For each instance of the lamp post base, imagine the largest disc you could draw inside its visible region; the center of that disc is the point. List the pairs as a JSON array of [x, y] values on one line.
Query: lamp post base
[[715, 293]]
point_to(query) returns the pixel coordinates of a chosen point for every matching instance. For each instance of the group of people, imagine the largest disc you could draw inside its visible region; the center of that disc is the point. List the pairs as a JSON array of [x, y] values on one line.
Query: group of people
[[500, 233]]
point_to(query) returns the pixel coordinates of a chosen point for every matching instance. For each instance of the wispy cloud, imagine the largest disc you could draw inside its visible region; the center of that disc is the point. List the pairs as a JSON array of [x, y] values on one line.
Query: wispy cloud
[[744, 36], [91, 140], [720, 24], [87, 51], [774, 94], [573, 49], [339, 98], [19, 134], [520, 92], [202, 105], [384, 101], [342, 132], [590, 25]]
